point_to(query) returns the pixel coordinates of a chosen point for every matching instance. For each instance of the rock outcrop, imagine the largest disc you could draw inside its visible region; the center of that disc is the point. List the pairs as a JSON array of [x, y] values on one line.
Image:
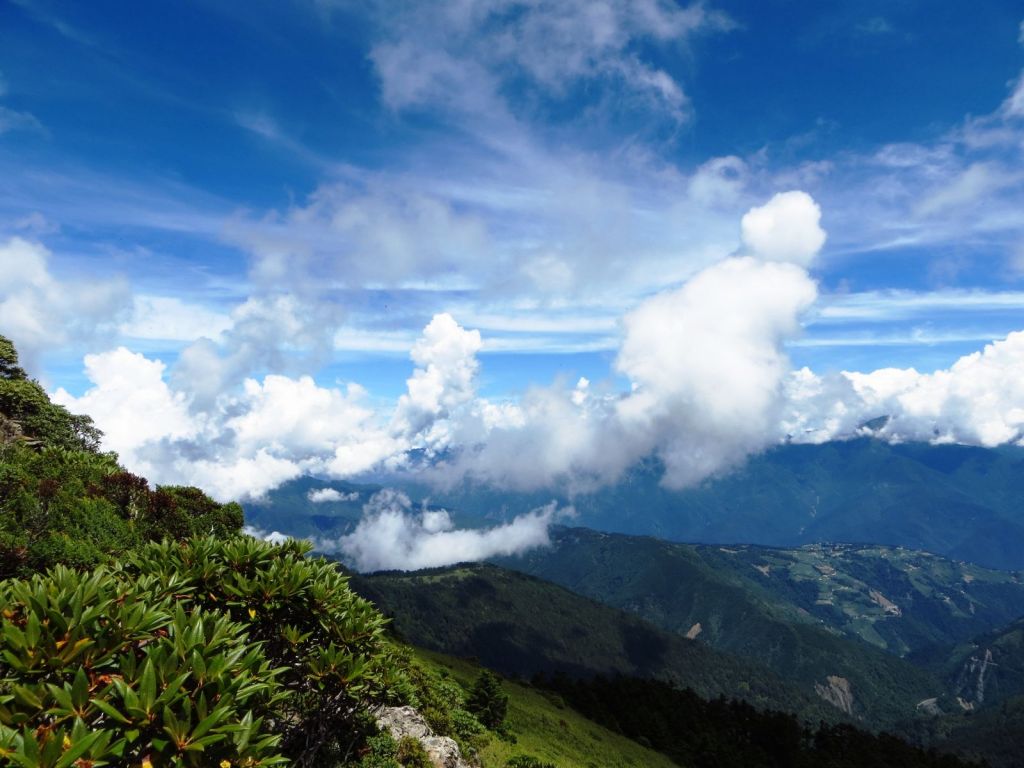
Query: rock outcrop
[[838, 692], [406, 721]]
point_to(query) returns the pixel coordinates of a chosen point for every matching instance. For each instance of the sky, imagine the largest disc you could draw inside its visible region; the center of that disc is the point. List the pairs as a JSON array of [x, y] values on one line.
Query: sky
[[522, 242]]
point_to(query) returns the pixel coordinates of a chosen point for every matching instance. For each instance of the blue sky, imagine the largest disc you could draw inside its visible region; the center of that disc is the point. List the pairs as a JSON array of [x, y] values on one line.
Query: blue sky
[[537, 170]]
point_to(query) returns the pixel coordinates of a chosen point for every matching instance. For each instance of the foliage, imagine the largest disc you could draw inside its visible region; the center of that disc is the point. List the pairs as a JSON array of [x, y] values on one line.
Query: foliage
[[442, 702], [487, 701], [744, 594], [327, 643], [24, 401], [9, 367], [748, 601], [79, 508], [411, 754], [98, 669], [526, 761], [244, 647], [379, 751], [62, 501]]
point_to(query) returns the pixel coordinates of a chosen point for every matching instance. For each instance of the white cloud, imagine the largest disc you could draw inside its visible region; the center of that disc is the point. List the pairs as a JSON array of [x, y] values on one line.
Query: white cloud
[[458, 55], [707, 364], [238, 477], [325, 495], [707, 369], [444, 378], [392, 535], [132, 404], [705, 361], [979, 400], [170, 318], [295, 417], [1013, 107], [786, 228], [274, 537], [278, 332], [977, 181], [38, 311]]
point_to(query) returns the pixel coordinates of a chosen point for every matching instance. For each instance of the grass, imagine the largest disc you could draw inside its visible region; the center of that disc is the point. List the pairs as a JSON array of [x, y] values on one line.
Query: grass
[[544, 727]]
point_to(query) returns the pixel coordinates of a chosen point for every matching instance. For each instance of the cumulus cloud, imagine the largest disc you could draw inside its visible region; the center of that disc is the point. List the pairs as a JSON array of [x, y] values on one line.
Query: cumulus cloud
[[786, 228], [393, 535], [705, 362], [323, 495], [39, 311], [243, 442], [707, 370], [274, 537], [132, 404], [446, 362], [979, 400]]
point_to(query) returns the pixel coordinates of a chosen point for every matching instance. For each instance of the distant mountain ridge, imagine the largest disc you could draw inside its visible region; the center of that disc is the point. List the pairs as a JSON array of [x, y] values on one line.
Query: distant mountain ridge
[[962, 502], [959, 501], [896, 599]]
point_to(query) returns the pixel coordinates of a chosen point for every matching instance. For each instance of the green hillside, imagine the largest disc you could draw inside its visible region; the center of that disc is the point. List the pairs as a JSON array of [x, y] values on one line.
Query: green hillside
[[984, 671], [541, 725], [733, 597], [523, 626]]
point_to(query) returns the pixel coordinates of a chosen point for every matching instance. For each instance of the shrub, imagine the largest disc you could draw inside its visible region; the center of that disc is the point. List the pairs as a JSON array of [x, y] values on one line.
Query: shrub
[[487, 701], [98, 670], [526, 761], [327, 642], [411, 754]]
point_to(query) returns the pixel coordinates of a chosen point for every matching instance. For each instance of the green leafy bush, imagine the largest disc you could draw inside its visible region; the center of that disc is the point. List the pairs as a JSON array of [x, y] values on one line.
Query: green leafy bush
[[327, 643], [411, 754], [97, 670]]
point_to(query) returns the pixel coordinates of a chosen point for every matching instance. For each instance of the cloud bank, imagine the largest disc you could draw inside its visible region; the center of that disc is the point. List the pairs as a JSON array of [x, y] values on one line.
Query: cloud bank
[[709, 383], [392, 535]]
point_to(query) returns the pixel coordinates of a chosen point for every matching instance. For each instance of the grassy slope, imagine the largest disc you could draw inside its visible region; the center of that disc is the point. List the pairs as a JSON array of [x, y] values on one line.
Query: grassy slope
[[546, 728], [522, 626]]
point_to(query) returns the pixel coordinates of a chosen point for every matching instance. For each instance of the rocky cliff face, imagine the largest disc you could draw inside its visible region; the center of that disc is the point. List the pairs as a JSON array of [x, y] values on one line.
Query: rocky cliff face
[[406, 721], [970, 686], [838, 692]]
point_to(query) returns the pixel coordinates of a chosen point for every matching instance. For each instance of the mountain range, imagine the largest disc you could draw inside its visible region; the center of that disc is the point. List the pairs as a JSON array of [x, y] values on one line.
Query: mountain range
[[959, 501]]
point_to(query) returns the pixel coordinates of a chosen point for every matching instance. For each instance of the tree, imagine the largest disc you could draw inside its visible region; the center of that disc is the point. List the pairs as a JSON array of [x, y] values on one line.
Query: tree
[[9, 368], [487, 701]]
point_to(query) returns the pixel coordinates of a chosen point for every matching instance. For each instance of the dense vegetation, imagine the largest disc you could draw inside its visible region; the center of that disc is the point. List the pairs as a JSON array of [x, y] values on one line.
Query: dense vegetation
[[62, 501], [725, 734]]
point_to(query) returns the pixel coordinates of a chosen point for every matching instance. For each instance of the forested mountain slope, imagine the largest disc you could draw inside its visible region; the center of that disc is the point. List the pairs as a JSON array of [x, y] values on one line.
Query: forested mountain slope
[[738, 597], [524, 626]]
